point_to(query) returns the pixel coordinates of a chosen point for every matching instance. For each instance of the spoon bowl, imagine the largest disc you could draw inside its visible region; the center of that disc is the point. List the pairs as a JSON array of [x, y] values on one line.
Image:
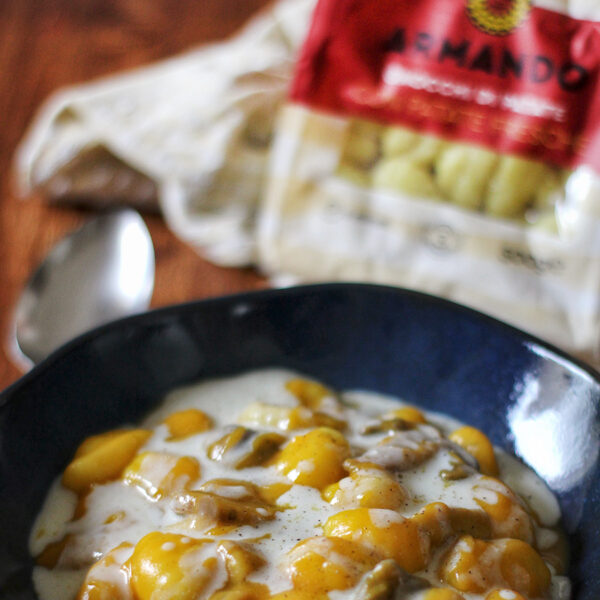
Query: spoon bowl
[[102, 271]]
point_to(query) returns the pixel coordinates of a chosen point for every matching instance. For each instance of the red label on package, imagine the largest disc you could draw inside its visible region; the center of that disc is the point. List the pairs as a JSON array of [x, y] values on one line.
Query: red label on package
[[504, 74]]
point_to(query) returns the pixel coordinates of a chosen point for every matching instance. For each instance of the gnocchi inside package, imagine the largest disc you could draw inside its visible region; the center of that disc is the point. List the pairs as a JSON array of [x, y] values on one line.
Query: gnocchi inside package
[[452, 146]]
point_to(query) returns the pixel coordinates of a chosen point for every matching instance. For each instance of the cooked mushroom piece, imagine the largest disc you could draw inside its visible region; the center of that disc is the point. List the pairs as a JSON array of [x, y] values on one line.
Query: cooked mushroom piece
[[461, 453], [458, 469], [404, 449], [241, 447], [388, 426], [386, 581], [239, 504]]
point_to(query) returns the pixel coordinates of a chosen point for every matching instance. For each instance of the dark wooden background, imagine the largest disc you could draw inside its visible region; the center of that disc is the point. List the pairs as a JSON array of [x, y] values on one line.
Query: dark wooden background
[[46, 44]]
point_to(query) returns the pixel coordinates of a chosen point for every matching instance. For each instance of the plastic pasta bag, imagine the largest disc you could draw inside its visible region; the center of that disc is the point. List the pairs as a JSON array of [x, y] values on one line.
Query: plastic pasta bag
[[450, 146]]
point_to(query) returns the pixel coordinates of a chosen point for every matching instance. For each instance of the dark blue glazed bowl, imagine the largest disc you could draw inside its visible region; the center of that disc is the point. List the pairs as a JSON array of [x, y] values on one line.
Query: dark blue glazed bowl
[[530, 398]]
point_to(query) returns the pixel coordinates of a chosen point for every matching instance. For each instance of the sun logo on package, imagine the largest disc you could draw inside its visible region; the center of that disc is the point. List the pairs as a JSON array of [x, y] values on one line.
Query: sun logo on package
[[498, 17]]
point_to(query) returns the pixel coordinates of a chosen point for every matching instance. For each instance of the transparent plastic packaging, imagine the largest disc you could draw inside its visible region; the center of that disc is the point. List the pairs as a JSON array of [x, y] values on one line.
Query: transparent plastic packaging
[[438, 146]]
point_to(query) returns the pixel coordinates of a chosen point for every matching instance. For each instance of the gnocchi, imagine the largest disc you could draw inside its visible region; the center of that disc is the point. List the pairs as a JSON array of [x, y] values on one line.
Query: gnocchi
[[420, 165], [272, 486]]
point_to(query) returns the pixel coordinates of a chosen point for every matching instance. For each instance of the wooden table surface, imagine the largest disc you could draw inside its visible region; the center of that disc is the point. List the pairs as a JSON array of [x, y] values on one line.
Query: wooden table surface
[[46, 44]]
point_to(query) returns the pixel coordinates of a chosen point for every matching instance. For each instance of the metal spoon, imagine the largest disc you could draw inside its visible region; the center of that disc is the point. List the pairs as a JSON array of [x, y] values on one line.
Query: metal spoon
[[102, 271]]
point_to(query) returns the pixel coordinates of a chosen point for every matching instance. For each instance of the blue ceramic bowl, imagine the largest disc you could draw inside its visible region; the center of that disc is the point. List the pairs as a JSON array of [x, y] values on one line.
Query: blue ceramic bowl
[[530, 398]]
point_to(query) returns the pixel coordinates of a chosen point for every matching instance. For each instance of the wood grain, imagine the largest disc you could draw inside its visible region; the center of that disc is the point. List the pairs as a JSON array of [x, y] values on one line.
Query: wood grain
[[46, 44]]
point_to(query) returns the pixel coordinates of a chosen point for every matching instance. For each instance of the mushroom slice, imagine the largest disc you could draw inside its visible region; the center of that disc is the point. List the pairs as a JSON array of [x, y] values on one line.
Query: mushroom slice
[[386, 581], [458, 470], [460, 453], [241, 447], [224, 502], [388, 425], [404, 449]]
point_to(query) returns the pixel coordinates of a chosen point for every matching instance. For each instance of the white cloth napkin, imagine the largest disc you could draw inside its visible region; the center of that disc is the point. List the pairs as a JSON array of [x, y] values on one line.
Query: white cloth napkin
[[192, 133]]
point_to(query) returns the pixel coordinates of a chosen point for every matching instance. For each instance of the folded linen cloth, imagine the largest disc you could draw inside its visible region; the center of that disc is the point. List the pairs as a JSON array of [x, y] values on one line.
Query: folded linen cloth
[[189, 135]]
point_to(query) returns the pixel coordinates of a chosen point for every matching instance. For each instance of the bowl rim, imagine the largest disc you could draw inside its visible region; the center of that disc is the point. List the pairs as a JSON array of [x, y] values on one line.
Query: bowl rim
[[267, 293]]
